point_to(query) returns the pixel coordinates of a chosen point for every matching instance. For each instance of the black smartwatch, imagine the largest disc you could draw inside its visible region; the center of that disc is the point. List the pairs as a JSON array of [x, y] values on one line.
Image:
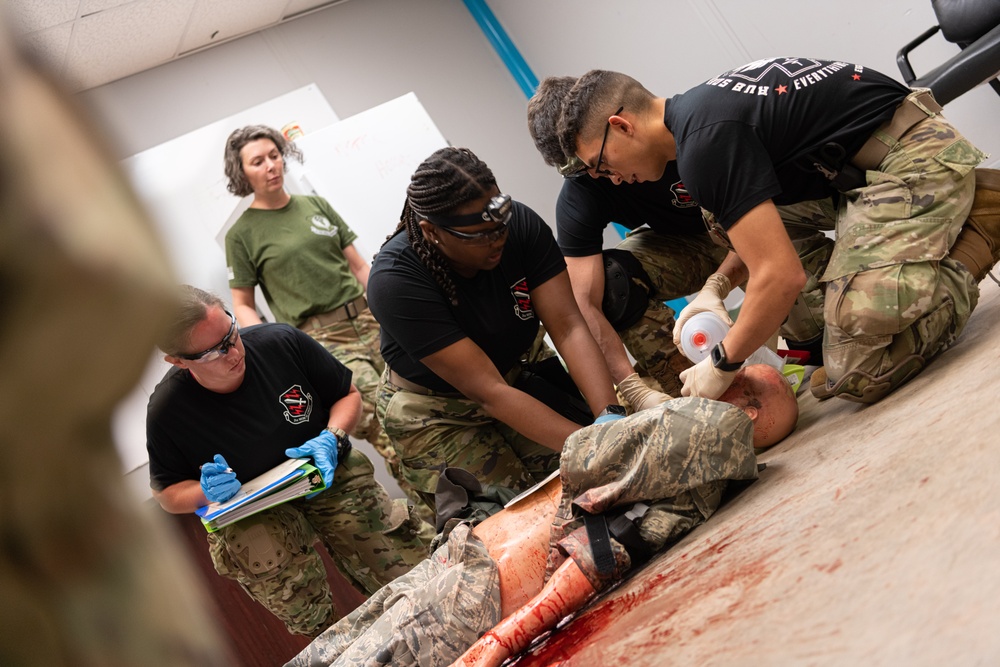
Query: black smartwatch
[[720, 361], [613, 409]]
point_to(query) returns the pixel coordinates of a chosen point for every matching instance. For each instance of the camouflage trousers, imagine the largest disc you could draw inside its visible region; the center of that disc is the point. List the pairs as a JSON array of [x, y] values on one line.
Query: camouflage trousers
[[679, 265], [434, 431], [371, 538], [355, 343], [678, 458], [425, 618], [893, 297]]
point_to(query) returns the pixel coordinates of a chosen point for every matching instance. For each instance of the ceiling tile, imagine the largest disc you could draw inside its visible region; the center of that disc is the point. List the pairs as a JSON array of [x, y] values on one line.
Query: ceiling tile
[[93, 6], [298, 6], [215, 21], [49, 46], [125, 40], [33, 15]]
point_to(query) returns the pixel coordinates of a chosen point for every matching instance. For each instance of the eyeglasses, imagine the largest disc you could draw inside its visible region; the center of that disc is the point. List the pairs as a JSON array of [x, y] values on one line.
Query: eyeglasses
[[499, 210], [216, 351], [576, 167]]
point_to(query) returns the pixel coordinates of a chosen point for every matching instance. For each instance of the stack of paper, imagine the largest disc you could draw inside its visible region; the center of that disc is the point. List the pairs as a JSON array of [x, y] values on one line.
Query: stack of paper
[[291, 479]]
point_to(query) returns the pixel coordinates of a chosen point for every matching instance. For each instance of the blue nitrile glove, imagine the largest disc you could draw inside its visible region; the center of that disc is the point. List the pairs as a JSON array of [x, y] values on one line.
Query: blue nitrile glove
[[604, 419], [323, 451], [218, 480]]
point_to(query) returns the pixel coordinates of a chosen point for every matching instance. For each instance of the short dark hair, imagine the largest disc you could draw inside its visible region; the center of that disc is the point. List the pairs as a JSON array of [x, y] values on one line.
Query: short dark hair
[[192, 307], [238, 183], [592, 100], [544, 109]]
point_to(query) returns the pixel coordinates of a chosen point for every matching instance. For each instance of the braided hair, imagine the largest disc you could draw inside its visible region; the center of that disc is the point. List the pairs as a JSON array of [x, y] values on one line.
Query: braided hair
[[446, 180]]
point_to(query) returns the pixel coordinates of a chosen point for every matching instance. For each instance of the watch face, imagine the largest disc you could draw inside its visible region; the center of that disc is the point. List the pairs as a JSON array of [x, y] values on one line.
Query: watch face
[[615, 410]]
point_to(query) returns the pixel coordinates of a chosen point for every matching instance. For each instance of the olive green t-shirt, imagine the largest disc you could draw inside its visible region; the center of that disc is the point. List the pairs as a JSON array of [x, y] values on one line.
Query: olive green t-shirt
[[296, 254]]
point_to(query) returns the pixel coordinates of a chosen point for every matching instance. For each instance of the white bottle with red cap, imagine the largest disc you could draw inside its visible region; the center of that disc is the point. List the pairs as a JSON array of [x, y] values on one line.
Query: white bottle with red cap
[[700, 334], [704, 331]]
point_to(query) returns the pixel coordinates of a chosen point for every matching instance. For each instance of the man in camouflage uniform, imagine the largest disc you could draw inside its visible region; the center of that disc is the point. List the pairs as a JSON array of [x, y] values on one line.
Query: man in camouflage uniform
[[670, 254], [247, 403], [787, 130], [668, 465]]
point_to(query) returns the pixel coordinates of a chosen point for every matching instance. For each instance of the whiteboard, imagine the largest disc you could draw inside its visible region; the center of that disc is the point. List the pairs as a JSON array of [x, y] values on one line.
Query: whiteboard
[[362, 165]]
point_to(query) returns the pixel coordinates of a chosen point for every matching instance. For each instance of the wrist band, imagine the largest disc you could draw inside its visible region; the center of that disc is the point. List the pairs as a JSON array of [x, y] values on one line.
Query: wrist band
[[339, 432]]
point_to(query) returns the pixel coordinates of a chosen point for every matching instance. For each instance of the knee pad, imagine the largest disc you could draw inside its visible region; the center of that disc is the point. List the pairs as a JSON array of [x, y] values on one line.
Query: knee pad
[[861, 387], [259, 550], [626, 289]]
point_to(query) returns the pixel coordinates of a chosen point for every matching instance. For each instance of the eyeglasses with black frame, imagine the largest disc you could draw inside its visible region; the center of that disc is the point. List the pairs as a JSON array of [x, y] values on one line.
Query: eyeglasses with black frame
[[575, 167], [218, 350], [499, 210]]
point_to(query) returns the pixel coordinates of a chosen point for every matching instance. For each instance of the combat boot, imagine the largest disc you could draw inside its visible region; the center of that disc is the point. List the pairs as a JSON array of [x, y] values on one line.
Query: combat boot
[[978, 244]]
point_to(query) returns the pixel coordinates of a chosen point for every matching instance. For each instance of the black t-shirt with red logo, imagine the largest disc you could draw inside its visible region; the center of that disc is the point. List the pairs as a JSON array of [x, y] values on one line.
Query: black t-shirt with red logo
[[494, 307], [290, 384], [587, 205], [744, 137]]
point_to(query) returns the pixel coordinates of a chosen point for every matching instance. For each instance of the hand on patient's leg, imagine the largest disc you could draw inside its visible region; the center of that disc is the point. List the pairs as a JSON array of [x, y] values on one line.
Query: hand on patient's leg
[[565, 592]]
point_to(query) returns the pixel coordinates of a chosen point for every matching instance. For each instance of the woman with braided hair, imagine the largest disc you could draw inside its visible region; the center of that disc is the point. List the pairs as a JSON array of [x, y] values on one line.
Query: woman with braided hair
[[460, 289]]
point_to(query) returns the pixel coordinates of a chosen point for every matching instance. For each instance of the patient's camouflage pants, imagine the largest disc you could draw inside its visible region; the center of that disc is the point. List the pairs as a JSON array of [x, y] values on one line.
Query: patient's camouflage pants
[[434, 431], [428, 617], [371, 538]]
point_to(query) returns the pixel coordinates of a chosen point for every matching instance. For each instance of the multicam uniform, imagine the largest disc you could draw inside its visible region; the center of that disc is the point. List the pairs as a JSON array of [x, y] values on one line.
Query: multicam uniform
[[678, 459], [284, 400], [893, 297], [296, 254], [432, 425]]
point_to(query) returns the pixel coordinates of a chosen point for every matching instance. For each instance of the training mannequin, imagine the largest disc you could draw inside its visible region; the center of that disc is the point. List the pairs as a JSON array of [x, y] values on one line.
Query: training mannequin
[[677, 458]]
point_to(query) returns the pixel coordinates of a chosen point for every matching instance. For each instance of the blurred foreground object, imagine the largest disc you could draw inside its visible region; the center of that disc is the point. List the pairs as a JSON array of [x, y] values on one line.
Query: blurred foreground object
[[85, 578]]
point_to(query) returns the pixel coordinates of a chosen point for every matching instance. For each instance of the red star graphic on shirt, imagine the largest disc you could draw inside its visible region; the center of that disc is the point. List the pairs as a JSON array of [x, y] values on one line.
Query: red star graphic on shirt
[[856, 77], [781, 89]]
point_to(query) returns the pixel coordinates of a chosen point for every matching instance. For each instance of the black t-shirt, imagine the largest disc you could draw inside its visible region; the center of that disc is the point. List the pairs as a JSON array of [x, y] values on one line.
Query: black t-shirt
[[290, 383], [587, 205], [742, 137], [494, 307]]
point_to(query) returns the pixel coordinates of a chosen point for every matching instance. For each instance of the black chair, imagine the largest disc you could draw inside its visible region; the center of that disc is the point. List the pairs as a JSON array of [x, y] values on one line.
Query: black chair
[[975, 26]]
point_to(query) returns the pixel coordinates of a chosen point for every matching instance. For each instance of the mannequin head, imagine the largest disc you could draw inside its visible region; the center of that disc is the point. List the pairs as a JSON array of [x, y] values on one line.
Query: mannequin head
[[766, 397]]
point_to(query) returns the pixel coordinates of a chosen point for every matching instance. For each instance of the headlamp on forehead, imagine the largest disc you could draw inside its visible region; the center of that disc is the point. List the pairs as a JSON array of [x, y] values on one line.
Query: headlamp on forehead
[[497, 210]]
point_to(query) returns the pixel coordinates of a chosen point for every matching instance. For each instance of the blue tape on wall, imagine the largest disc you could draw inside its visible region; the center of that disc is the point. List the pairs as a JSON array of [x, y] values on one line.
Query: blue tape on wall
[[505, 48]]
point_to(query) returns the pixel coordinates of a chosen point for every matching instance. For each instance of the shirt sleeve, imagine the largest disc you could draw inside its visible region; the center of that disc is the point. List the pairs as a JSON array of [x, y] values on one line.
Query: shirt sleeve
[[580, 220], [242, 272]]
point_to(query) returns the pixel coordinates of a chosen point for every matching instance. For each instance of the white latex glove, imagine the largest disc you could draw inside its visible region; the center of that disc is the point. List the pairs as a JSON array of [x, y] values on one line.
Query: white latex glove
[[705, 380], [638, 395], [709, 299]]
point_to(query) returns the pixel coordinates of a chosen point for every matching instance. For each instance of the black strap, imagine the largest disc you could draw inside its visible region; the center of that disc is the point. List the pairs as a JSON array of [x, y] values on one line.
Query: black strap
[[600, 542], [625, 531]]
